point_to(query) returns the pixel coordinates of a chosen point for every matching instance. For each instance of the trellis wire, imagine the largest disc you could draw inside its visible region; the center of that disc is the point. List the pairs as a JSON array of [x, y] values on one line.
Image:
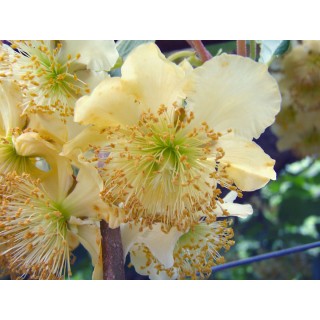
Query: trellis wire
[[266, 256]]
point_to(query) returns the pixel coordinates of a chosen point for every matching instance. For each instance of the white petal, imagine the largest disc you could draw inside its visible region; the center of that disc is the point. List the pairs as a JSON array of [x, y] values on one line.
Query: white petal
[[96, 55], [129, 236], [139, 260], [58, 180], [238, 210], [160, 244], [108, 104], [84, 200], [48, 125], [89, 236], [232, 92], [81, 142], [91, 78], [151, 78], [10, 107], [234, 209], [249, 166], [230, 197], [97, 273]]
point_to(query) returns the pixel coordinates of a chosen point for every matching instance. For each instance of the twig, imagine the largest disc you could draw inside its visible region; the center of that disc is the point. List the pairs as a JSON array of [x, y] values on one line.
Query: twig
[[200, 49], [266, 256], [112, 253], [241, 48]]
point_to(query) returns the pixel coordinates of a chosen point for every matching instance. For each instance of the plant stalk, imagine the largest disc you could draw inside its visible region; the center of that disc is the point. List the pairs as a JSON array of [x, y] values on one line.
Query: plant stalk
[[112, 253], [241, 48], [200, 49]]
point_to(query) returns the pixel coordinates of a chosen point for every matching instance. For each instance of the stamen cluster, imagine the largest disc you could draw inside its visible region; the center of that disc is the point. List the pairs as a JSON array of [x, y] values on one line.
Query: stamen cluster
[[48, 79], [195, 253], [160, 156], [34, 229]]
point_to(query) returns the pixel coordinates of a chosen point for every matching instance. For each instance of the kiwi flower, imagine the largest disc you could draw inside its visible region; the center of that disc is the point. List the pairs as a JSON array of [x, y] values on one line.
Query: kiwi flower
[[300, 76], [297, 125], [22, 147], [54, 74], [175, 136], [42, 222], [174, 254]]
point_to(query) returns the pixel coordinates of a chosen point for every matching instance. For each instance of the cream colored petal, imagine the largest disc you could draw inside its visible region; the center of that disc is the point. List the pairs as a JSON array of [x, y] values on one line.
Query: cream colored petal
[[115, 216], [109, 104], [162, 275], [139, 261], [234, 209], [189, 75], [97, 273], [10, 107], [232, 92], [129, 236], [160, 244], [249, 166], [59, 179], [92, 78], [31, 144], [73, 128], [82, 141], [49, 126], [230, 197], [84, 200], [89, 236], [96, 55], [238, 210], [151, 78]]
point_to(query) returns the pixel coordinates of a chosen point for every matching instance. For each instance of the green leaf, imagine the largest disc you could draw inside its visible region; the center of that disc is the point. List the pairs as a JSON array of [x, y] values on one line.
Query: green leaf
[[271, 49], [228, 47], [283, 48], [124, 47]]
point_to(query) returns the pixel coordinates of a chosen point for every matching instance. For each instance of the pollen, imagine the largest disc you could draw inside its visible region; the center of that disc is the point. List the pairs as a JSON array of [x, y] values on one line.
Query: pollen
[[45, 75], [161, 171], [34, 232], [195, 253]]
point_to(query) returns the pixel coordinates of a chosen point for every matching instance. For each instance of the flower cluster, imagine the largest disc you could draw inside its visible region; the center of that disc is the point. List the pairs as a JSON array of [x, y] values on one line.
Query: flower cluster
[[298, 124], [160, 152], [46, 211]]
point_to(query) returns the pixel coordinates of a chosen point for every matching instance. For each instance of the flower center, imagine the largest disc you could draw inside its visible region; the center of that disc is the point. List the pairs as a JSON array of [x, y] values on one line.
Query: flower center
[[195, 253], [163, 170], [34, 228], [48, 78]]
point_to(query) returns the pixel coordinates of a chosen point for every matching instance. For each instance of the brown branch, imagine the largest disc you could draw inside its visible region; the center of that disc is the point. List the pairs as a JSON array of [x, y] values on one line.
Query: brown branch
[[241, 48], [112, 253], [200, 49]]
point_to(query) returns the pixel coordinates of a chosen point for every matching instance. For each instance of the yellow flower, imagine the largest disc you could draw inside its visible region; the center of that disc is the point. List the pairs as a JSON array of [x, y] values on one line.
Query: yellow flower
[[174, 254], [54, 74], [297, 125], [21, 147], [298, 131], [42, 222], [174, 136], [301, 75]]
